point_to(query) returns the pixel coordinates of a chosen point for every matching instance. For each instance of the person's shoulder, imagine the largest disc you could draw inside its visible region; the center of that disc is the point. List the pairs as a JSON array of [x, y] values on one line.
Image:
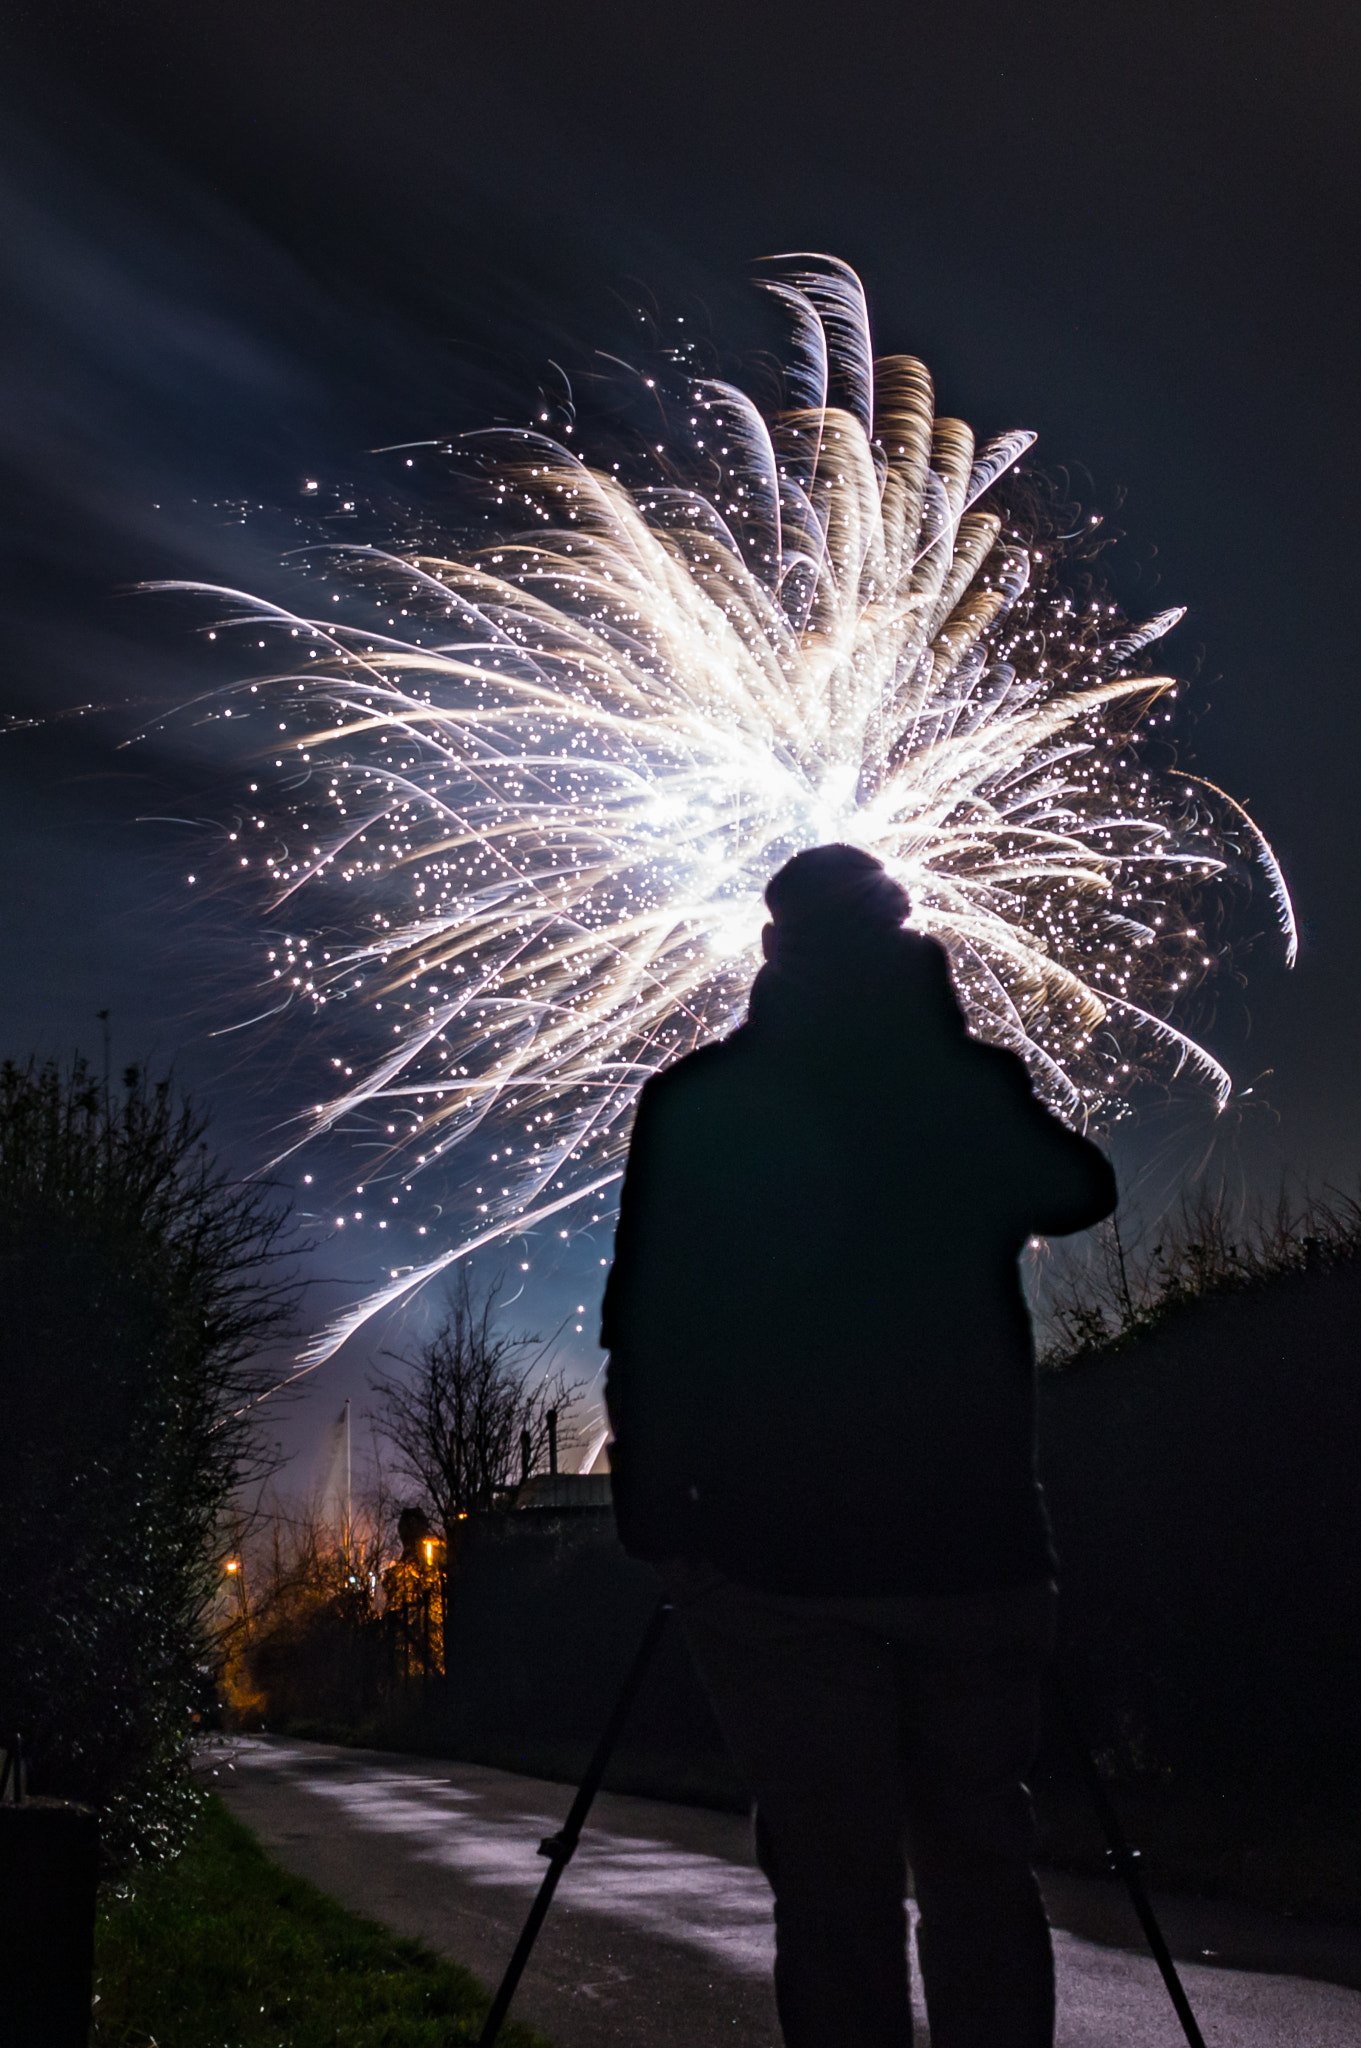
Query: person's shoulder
[[923, 951], [693, 1071], [1005, 1068], [925, 976], [921, 974], [988, 1069], [923, 961], [693, 1094]]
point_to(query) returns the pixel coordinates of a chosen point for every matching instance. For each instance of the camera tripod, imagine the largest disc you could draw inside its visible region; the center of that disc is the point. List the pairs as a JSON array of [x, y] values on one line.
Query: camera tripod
[[561, 1847]]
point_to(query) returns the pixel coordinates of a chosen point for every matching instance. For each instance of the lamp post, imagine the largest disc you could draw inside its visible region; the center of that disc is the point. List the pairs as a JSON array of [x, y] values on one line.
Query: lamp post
[[236, 1571]]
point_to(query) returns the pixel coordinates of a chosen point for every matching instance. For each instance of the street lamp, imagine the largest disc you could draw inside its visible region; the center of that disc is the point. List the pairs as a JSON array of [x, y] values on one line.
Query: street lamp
[[234, 1570]]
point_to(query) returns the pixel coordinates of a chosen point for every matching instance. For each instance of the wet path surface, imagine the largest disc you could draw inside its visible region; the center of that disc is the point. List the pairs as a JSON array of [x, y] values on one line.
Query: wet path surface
[[660, 1935]]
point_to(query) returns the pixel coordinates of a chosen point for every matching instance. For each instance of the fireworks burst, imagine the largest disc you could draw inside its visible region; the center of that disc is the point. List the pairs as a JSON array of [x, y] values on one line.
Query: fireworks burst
[[546, 784]]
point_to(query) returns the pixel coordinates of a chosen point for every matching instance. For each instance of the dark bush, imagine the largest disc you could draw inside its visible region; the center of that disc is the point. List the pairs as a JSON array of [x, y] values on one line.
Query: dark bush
[[137, 1285], [1202, 1481]]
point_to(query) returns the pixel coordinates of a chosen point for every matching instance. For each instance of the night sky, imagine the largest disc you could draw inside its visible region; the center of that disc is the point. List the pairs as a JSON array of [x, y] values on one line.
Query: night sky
[[245, 245]]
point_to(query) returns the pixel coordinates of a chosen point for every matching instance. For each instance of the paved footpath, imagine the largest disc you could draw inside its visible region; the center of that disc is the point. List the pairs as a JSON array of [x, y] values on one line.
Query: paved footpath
[[660, 1935]]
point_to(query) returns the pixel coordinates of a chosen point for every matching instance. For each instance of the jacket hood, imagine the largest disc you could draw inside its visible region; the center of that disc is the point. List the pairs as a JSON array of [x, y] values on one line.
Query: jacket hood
[[857, 993]]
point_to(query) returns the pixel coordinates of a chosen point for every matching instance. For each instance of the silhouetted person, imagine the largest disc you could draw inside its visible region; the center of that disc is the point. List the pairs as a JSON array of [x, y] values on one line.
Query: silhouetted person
[[821, 1386]]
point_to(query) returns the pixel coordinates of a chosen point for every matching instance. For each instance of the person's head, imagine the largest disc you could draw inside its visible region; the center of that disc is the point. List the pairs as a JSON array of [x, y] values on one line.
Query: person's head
[[831, 898]]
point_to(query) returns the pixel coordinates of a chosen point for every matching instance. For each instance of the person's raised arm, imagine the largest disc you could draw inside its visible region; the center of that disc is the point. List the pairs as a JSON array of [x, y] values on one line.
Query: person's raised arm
[[1059, 1182]]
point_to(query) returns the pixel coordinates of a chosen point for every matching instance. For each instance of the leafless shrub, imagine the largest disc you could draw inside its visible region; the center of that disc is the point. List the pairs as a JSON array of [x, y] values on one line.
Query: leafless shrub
[[1130, 1285], [468, 1412]]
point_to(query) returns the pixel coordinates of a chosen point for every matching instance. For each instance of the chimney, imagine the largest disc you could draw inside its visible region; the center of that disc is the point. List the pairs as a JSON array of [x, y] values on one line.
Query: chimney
[[552, 1420], [525, 1448]]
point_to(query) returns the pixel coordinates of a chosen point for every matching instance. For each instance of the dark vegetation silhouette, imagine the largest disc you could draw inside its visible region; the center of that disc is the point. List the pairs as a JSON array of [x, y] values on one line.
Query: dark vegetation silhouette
[[1123, 1289], [1200, 1435], [138, 1285]]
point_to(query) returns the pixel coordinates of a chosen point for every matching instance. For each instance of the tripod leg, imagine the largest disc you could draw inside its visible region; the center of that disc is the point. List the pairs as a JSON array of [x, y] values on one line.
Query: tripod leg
[[1124, 1861], [561, 1847]]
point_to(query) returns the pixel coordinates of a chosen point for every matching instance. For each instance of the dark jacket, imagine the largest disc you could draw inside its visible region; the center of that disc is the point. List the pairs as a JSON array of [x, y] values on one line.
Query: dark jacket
[[821, 1371]]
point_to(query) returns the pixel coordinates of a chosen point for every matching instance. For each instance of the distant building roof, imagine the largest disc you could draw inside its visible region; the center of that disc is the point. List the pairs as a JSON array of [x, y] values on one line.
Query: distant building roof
[[565, 1490]]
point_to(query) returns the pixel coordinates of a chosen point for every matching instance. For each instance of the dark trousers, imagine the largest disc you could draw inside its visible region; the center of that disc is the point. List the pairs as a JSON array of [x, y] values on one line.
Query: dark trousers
[[877, 1732]]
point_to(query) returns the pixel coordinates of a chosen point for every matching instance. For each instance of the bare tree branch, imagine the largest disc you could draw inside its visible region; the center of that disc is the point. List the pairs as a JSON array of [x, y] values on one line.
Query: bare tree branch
[[456, 1414]]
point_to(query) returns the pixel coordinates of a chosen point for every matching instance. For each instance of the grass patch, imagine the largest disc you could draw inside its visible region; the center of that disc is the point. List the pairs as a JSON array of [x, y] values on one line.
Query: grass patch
[[223, 1949]]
